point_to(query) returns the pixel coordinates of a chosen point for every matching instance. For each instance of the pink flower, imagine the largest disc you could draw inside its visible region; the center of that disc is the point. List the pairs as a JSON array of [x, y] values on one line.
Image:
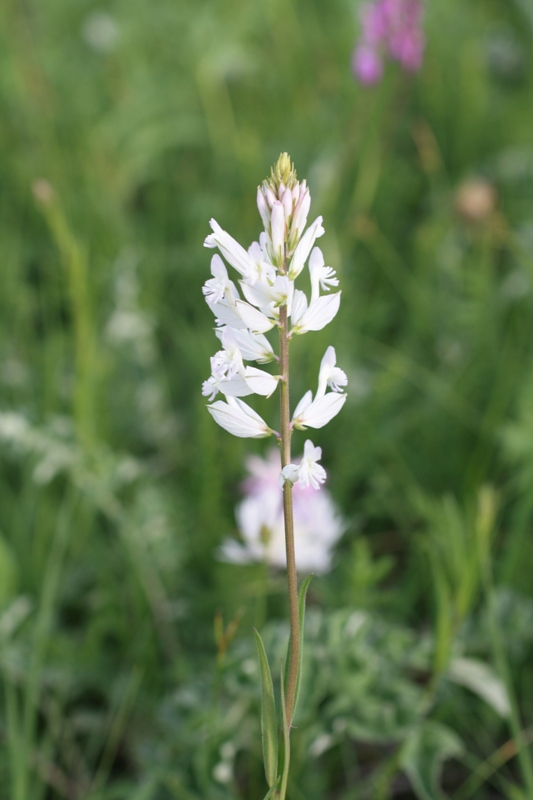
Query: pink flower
[[390, 28], [367, 65], [317, 522]]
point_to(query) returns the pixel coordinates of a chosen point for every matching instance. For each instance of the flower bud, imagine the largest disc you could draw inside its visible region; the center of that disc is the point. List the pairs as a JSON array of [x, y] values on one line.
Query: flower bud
[[287, 206], [278, 231], [269, 194], [263, 208], [299, 218]]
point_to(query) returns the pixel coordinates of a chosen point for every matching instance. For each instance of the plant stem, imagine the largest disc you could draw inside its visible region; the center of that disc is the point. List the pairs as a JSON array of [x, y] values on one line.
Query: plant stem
[[292, 581]]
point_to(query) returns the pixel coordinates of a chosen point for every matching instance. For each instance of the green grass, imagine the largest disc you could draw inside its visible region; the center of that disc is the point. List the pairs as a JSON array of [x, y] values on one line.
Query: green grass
[[116, 486]]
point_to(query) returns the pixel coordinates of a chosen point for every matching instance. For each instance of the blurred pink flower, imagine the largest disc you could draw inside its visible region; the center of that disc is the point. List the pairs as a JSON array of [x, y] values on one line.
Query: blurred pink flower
[[393, 29], [317, 522]]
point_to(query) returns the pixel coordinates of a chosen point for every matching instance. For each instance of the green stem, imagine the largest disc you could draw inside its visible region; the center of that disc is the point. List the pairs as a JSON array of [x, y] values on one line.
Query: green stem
[[292, 581]]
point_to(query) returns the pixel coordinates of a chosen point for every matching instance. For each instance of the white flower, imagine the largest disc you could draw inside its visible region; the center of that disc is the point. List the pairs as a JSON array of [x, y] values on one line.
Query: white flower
[[230, 249], [317, 412], [255, 320], [238, 418], [227, 371], [309, 472], [317, 523], [330, 375], [253, 346], [298, 307], [318, 315], [321, 276], [260, 382], [216, 288], [263, 293], [226, 315], [264, 270], [304, 248], [229, 376], [227, 362]]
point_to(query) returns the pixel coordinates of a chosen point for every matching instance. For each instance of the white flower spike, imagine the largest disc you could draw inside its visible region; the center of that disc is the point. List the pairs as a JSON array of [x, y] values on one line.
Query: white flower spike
[[268, 271]]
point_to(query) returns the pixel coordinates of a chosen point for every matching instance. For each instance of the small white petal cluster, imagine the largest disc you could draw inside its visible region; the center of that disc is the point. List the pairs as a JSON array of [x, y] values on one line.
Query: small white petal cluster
[[308, 472], [249, 308], [260, 520]]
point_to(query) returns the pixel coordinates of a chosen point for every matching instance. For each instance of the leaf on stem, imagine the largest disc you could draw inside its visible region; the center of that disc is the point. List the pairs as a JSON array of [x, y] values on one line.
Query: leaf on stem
[[302, 594], [286, 744], [272, 791], [269, 724]]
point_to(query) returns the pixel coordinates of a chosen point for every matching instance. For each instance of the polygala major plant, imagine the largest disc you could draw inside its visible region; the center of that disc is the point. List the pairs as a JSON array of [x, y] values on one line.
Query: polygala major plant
[[267, 274]]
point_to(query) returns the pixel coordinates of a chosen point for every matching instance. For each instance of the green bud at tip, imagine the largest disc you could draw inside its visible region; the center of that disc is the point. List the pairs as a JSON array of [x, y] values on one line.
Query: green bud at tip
[[283, 172]]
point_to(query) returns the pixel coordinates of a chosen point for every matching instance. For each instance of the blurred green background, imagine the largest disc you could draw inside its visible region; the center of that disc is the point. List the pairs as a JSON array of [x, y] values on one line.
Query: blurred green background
[[125, 127]]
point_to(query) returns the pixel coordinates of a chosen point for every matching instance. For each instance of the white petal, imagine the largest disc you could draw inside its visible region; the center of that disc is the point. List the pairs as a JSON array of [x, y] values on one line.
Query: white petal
[[304, 403], [263, 207], [316, 262], [239, 419], [253, 319], [304, 248], [329, 359], [312, 474], [289, 474], [260, 382], [227, 316], [253, 347], [330, 375], [256, 294], [287, 204], [312, 453], [320, 412], [301, 211], [218, 268], [234, 387], [232, 251], [319, 314], [281, 291], [299, 306]]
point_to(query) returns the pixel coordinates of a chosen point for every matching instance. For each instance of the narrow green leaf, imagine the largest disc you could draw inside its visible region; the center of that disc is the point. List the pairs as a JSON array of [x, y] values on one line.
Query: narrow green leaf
[[272, 791], [286, 744], [302, 594], [269, 725]]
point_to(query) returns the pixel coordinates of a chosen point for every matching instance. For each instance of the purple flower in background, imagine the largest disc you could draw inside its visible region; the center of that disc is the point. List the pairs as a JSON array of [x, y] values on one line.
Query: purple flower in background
[[318, 524], [390, 28]]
